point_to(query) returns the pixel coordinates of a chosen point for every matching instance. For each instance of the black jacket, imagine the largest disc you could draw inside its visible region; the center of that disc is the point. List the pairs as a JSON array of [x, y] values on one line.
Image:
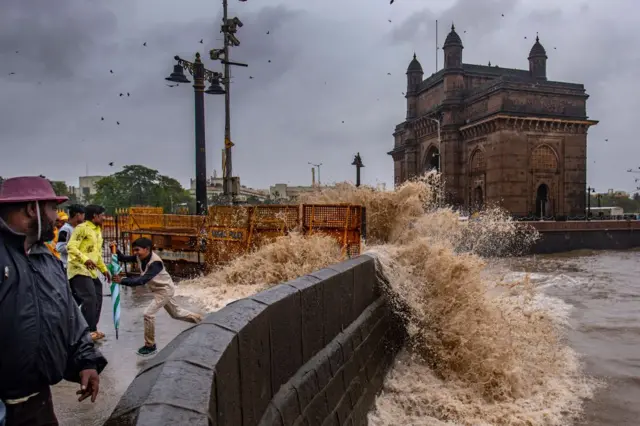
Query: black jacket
[[43, 336]]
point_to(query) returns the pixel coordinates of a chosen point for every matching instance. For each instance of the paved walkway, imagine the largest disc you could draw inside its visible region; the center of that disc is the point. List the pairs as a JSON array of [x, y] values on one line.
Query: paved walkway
[[123, 362]]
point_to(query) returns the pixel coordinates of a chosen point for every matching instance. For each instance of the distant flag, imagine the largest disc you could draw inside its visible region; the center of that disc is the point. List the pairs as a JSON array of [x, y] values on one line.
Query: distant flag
[[114, 269]]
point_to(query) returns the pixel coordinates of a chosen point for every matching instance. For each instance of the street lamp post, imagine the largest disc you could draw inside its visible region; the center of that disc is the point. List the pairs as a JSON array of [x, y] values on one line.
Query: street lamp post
[[357, 161], [200, 75], [590, 190]]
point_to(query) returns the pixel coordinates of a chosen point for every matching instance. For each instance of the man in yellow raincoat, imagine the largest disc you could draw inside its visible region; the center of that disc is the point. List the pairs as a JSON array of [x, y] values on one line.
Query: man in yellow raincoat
[[51, 245], [84, 265]]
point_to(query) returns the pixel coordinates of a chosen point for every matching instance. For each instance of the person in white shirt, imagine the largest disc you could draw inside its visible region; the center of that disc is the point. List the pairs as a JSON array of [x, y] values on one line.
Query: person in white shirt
[[76, 217]]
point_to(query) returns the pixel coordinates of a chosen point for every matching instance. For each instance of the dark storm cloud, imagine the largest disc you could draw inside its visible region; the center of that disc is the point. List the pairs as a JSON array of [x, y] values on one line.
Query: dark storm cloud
[[475, 17], [326, 68], [51, 36]]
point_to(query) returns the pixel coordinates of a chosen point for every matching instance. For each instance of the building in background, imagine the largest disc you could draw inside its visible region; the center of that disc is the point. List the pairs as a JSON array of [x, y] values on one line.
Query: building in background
[[86, 188], [215, 189], [500, 136], [617, 194], [284, 192]]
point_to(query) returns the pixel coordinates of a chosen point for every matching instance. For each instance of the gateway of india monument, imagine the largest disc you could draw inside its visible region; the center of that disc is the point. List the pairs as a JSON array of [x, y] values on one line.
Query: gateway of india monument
[[500, 136]]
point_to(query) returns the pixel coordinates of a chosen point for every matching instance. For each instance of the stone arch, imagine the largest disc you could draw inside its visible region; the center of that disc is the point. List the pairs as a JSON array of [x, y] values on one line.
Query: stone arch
[[544, 205], [544, 158], [478, 163], [432, 159]]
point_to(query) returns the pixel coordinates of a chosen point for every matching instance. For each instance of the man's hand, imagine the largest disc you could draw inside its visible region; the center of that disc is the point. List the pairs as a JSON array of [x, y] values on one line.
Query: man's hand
[[117, 278], [90, 264], [89, 385], [107, 275]]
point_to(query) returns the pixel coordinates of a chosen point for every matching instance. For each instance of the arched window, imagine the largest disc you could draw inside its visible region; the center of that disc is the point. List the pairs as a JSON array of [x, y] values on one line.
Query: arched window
[[478, 162], [544, 157], [432, 160]]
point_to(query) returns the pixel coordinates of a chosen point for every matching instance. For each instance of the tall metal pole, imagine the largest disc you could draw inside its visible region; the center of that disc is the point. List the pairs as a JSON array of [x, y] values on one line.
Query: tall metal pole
[[201, 155], [228, 191], [436, 45]]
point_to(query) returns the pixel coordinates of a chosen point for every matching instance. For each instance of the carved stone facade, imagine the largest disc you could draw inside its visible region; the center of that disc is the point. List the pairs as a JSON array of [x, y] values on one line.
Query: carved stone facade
[[500, 136]]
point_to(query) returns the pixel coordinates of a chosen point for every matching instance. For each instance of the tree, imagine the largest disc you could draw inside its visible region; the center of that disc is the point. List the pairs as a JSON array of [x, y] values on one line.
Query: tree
[[629, 205], [140, 186], [60, 187]]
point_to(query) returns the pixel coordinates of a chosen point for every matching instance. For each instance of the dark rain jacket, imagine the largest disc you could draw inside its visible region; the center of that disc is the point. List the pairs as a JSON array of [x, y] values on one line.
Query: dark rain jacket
[[43, 336]]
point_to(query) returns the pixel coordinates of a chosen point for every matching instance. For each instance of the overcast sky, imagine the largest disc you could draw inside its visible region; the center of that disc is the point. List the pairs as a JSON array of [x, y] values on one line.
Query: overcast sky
[[329, 64]]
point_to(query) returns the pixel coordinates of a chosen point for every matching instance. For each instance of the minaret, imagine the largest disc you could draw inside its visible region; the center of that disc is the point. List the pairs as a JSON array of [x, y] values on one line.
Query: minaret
[[538, 61], [414, 78], [453, 74]]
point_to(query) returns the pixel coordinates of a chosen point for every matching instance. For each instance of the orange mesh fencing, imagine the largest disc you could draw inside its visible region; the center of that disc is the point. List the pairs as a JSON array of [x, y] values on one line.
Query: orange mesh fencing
[[343, 222]]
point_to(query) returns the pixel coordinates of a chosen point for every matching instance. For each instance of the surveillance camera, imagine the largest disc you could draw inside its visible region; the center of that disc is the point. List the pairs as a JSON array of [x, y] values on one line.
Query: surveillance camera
[[216, 54], [233, 40], [237, 21]]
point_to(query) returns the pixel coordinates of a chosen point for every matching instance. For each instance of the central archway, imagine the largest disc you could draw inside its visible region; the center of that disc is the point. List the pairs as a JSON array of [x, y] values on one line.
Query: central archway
[[432, 160], [542, 200]]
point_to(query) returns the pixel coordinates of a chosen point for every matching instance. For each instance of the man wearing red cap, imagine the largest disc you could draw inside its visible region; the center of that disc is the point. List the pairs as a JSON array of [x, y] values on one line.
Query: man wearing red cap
[[43, 336]]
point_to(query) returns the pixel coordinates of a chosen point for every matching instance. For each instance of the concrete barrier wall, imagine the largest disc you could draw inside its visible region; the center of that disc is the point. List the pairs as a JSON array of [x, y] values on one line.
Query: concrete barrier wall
[[313, 351], [596, 239]]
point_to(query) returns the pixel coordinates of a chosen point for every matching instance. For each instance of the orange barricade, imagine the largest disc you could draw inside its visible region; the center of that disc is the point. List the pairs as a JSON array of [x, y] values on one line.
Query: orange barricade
[[343, 222], [228, 232]]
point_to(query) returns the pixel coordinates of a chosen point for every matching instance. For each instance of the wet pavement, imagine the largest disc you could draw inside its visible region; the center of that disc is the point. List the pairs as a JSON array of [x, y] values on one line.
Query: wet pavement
[[123, 361]]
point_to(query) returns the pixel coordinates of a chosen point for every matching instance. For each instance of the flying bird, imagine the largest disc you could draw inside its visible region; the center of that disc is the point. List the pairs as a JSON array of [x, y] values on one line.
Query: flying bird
[[389, 20], [121, 94], [17, 51], [391, 2], [267, 32], [503, 15], [118, 123], [111, 164], [111, 71], [343, 121], [388, 73], [102, 118], [201, 40], [172, 85], [128, 94], [606, 140], [525, 37], [269, 60], [144, 44], [250, 77], [11, 73]]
